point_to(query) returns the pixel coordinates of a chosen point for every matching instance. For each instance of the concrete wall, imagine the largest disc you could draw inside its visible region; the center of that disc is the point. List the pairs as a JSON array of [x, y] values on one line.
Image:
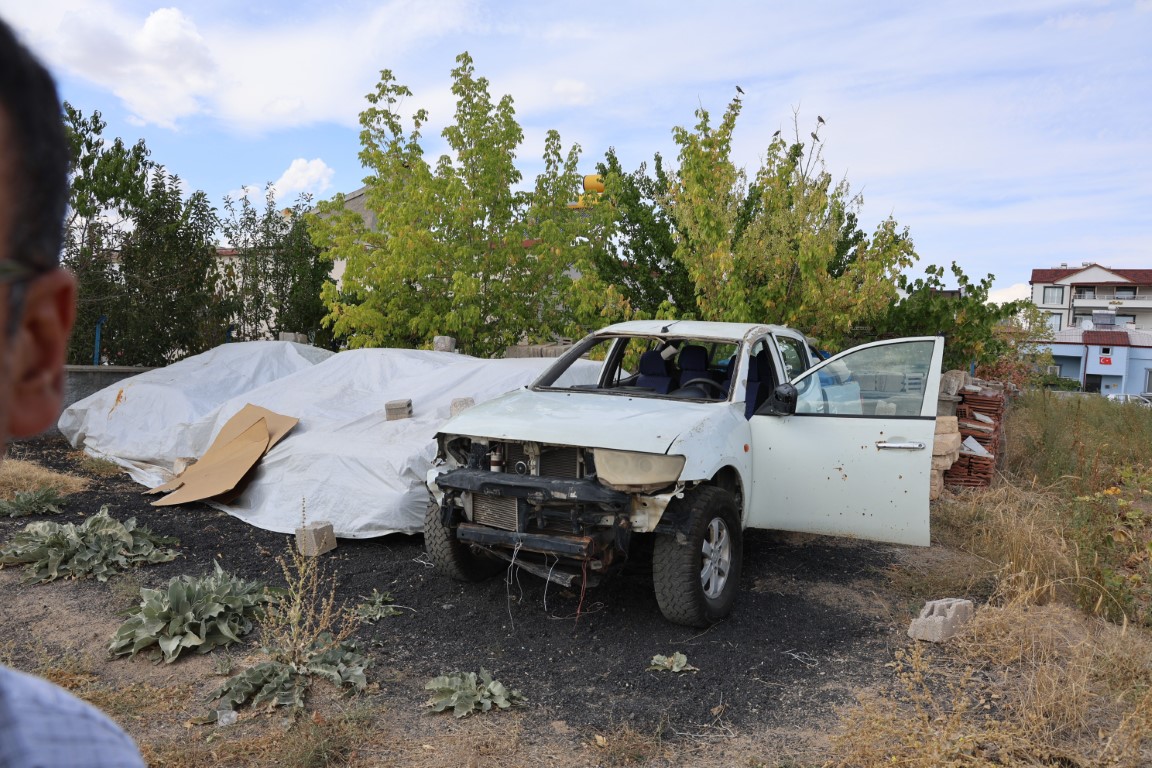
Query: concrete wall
[[83, 380]]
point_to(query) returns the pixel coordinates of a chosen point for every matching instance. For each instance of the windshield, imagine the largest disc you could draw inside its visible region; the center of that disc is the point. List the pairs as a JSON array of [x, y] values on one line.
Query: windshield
[[650, 366]]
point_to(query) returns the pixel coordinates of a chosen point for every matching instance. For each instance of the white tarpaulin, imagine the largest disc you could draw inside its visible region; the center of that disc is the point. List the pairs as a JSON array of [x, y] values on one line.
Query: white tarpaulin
[[344, 462]]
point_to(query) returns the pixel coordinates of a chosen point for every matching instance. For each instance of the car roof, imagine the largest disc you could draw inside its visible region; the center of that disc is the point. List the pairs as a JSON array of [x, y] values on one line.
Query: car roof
[[696, 329]]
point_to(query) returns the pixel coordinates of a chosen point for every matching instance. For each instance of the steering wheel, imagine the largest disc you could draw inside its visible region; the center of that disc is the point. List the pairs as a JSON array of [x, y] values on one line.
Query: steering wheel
[[702, 380]]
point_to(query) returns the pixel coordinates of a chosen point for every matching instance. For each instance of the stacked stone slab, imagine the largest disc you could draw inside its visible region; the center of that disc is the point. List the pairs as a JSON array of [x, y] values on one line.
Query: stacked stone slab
[[945, 451]]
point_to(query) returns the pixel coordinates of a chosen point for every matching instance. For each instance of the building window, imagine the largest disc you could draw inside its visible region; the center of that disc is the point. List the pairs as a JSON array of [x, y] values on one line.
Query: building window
[[1079, 318], [1105, 350], [1055, 320], [1148, 379], [1054, 294], [1126, 293], [1125, 319], [1085, 293]]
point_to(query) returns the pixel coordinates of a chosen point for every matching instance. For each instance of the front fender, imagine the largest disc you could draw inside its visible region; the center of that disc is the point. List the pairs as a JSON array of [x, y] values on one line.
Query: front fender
[[722, 440]]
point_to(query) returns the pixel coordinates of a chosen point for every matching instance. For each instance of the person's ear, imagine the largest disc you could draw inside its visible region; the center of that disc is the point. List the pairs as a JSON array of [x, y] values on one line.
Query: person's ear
[[37, 350]]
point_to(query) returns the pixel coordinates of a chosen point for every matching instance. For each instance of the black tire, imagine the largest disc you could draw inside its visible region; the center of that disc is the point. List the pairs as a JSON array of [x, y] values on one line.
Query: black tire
[[697, 573], [452, 557]]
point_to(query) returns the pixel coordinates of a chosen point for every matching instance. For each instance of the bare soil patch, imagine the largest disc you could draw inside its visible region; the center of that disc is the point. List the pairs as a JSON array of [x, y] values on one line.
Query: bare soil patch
[[815, 624]]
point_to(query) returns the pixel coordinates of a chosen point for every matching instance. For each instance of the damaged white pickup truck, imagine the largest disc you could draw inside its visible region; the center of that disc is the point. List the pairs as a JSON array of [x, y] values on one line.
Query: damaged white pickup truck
[[688, 433]]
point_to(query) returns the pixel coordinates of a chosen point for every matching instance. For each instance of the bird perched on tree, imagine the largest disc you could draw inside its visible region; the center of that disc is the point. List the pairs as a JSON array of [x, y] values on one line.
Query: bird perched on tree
[[776, 134], [819, 119], [739, 89], [815, 137]]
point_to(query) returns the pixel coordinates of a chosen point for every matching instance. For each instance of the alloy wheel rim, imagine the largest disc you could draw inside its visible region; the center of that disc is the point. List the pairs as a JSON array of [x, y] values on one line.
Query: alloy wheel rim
[[716, 552]]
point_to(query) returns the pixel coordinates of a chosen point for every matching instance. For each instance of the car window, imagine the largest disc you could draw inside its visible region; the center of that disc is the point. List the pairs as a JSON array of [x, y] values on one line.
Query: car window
[[885, 380], [794, 355], [654, 366], [591, 369]]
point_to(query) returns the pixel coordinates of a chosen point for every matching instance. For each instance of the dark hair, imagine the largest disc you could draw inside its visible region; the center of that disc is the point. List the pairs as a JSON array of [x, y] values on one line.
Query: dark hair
[[38, 160]]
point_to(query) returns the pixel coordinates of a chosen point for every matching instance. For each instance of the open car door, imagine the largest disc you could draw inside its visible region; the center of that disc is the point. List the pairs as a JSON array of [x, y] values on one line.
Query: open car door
[[855, 457]]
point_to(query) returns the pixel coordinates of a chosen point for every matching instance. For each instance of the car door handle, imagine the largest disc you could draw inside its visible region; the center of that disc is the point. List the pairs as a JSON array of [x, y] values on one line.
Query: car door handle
[[884, 445]]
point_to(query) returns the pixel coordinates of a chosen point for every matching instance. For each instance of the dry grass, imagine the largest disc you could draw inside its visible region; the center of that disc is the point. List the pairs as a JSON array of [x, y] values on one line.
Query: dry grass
[[1017, 531], [93, 465], [18, 476], [627, 746], [1025, 685], [310, 744]]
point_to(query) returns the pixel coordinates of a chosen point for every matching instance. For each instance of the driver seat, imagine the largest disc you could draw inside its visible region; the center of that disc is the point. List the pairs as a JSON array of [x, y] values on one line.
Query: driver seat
[[761, 382], [693, 362]]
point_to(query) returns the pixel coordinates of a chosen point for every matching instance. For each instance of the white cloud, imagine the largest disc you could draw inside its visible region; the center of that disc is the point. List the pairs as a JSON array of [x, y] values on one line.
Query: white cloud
[[573, 92], [1011, 293], [311, 177], [162, 69], [305, 65]]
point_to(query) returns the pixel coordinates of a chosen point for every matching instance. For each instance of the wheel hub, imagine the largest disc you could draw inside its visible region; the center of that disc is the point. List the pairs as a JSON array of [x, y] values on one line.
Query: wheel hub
[[717, 558]]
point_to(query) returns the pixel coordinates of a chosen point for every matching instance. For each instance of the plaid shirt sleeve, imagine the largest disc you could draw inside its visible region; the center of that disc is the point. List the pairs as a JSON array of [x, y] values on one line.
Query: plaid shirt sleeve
[[44, 726]]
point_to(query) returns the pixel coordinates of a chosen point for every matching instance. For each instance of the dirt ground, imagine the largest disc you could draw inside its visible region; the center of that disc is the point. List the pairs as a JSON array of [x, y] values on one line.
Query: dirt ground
[[815, 624]]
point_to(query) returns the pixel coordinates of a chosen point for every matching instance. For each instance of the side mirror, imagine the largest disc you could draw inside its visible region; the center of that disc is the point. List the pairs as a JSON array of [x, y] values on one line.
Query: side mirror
[[782, 401]]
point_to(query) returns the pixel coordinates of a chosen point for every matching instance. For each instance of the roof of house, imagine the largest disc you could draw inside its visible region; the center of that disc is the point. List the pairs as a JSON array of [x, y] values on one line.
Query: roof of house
[[1098, 338], [1106, 338], [1138, 276]]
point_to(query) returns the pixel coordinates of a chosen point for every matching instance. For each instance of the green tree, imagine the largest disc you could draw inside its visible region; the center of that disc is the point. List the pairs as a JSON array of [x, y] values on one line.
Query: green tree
[[168, 305], [641, 258], [107, 183], [784, 246], [975, 330], [458, 250], [274, 273]]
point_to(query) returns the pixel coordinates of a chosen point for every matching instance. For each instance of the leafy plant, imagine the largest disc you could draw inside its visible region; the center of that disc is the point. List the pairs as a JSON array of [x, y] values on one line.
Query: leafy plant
[[465, 692], [42, 501], [277, 683], [199, 613], [306, 634], [378, 605], [677, 662], [100, 546]]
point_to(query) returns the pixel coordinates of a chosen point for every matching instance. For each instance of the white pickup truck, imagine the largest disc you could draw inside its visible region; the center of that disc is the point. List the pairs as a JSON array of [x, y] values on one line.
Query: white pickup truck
[[688, 433]]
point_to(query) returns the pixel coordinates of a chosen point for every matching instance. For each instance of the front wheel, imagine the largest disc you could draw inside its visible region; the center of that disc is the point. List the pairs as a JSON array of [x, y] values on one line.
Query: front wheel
[[455, 558], [696, 572]]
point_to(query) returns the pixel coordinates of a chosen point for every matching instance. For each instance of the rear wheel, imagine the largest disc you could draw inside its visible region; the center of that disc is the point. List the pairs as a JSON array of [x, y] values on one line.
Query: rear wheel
[[456, 559], [696, 572]]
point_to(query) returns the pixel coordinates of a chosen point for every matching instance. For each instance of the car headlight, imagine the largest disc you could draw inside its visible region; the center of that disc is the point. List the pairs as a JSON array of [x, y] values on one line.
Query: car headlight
[[633, 471]]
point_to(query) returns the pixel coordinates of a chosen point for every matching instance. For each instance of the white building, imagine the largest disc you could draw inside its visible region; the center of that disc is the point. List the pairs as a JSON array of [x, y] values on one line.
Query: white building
[[1102, 319]]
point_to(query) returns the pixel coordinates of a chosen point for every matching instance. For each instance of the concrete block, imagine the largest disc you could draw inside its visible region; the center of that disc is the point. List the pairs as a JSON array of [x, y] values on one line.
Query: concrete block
[[947, 424], [397, 409], [936, 485], [443, 343], [942, 445], [941, 463], [941, 620], [315, 538], [461, 403], [951, 382]]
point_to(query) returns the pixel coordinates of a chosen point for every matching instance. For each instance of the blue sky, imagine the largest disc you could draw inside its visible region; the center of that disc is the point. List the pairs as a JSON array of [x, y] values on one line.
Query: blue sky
[[1006, 135]]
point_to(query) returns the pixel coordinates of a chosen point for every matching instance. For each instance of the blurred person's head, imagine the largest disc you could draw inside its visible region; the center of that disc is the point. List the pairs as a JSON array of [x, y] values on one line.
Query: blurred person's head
[[37, 297]]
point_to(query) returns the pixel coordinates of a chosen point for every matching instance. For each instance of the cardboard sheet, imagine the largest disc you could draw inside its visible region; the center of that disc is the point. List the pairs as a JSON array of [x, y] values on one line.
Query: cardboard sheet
[[239, 445]]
